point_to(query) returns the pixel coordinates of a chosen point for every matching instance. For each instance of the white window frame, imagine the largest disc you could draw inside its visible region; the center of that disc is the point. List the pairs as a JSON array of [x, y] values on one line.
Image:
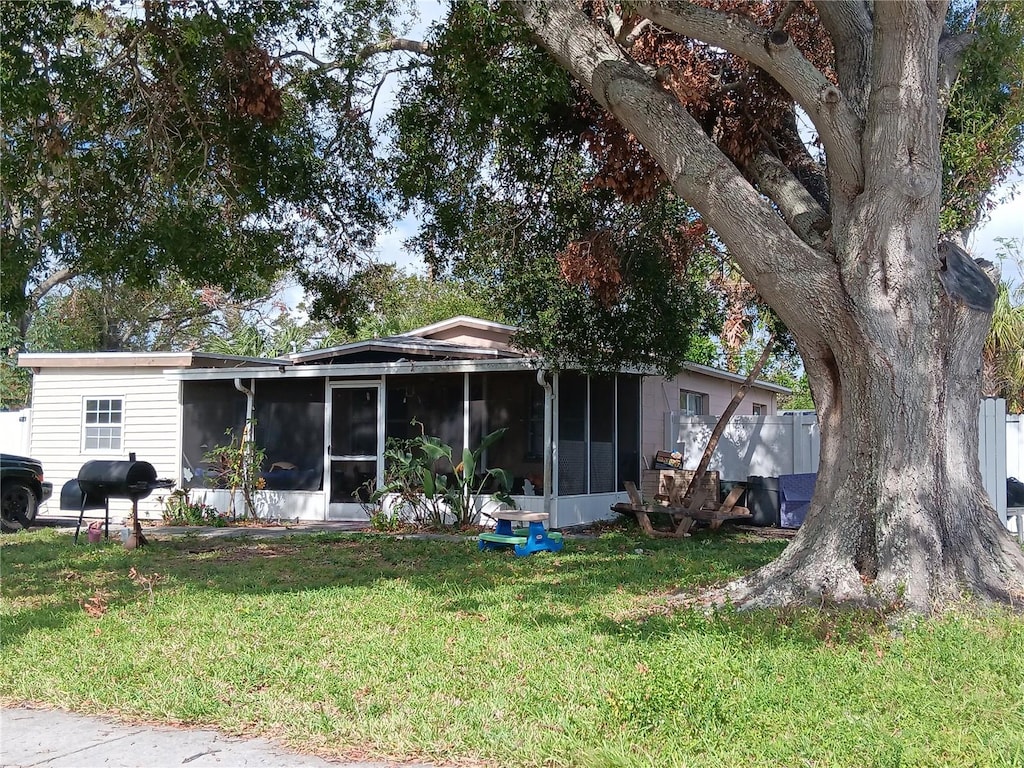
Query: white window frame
[[685, 396], [760, 409], [99, 425]]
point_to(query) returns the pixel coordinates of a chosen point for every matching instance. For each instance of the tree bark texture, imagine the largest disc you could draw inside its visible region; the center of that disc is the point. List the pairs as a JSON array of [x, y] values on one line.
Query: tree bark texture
[[899, 514]]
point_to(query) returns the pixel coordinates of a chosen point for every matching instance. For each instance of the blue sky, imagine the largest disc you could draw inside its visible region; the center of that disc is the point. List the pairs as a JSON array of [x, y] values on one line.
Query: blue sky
[[1006, 221]]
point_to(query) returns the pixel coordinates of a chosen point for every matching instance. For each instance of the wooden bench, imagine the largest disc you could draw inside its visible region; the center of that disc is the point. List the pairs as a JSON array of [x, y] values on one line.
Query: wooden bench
[[702, 506], [524, 541]]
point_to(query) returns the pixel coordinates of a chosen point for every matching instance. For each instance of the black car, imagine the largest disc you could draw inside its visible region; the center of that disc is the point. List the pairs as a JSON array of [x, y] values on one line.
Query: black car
[[22, 490]]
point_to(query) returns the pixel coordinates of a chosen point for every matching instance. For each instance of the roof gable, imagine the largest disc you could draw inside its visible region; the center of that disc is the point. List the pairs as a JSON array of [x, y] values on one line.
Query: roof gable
[[457, 338], [462, 324], [398, 348]]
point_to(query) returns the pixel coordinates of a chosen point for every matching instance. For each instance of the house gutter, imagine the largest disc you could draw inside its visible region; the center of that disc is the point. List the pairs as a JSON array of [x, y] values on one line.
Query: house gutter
[[548, 436]]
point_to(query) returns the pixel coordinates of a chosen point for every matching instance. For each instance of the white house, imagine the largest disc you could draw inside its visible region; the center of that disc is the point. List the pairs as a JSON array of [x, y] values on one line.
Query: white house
[[323, 417]]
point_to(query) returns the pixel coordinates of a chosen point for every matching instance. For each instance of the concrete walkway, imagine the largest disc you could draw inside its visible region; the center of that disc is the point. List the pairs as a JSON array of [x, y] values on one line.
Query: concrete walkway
[[53, 739]]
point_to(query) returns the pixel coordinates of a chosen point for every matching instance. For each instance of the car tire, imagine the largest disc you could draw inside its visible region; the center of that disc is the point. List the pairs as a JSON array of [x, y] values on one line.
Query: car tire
[[18, 507]]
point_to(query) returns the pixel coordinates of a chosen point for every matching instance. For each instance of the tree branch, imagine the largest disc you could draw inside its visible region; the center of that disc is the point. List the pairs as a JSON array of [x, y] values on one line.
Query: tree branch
[[723, 420], [630, 39], [798, 207], [794, 155], [951, 56], [788, 10], [57, 278], [391, 45], [326, 66], [793, 277], [849, 25], [614, 19], [625, 29], [837, 125]]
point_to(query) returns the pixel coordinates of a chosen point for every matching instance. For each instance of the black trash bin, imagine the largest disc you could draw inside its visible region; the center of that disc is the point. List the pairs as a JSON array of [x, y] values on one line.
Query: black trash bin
[[762, 499]]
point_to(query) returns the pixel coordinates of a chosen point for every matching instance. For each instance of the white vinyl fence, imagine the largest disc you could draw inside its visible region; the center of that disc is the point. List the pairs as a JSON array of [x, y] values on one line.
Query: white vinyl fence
[[14, 431], [789, 444]]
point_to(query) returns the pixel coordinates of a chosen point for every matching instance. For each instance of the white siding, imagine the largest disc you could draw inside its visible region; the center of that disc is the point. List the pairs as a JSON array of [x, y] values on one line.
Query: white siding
[[150, 428]]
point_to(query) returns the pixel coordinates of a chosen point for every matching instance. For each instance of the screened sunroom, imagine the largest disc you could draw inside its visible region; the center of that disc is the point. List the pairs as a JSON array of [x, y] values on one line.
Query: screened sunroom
[[324, 427]]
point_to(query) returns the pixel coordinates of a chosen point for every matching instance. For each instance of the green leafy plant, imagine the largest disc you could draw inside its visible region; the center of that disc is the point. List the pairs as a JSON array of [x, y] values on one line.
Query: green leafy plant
[[236, 467], [386, 521], [179, 509], [432, 497], [383, 517]]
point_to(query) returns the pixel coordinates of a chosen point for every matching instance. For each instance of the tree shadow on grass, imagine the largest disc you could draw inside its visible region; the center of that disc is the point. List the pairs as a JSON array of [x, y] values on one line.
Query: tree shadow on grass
[[48, 579]]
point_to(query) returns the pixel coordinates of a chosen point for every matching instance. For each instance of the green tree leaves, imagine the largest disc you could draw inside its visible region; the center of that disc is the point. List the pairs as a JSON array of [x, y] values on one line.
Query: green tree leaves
[[983, 137]]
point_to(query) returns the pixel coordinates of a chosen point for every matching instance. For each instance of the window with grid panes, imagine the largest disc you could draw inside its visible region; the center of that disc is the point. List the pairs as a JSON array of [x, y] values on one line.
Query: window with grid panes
[[103, 421]]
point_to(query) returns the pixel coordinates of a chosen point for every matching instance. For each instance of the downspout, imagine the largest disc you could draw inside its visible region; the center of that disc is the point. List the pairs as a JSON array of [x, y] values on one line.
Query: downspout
[[246, 436], [548, 430], [249, 408]]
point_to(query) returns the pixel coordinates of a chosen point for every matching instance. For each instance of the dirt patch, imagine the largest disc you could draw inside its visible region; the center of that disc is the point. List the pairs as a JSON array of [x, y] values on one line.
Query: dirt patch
[[240, 553], [765, 533]]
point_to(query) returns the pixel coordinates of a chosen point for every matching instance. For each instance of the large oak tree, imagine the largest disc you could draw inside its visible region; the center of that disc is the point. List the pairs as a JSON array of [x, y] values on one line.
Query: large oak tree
[[889, 318]]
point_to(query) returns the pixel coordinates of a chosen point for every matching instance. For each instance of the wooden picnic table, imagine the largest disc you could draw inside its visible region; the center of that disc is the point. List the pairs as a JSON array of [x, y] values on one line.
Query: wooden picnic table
[[668, 497], [524, 541]]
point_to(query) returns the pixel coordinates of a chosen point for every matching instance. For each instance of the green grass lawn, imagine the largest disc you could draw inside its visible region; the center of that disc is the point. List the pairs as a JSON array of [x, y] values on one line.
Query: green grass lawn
[[377, 646]]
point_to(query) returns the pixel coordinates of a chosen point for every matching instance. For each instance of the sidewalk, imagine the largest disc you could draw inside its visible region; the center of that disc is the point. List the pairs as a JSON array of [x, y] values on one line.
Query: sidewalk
[[53, 739]]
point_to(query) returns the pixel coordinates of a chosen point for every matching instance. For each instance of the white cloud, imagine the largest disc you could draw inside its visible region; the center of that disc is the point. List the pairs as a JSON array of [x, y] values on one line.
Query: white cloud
[[391, 250], [1005, 221]]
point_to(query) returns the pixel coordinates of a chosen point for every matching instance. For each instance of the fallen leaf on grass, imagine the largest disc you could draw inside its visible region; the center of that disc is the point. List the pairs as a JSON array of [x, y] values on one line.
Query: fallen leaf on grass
[[96, 605]]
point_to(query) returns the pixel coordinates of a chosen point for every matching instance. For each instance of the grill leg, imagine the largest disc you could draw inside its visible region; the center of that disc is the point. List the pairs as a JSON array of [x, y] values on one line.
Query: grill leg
[[81, 514]]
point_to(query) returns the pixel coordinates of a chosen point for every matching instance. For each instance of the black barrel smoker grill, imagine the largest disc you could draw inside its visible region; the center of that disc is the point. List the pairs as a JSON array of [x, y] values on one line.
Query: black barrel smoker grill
[[100, 481]]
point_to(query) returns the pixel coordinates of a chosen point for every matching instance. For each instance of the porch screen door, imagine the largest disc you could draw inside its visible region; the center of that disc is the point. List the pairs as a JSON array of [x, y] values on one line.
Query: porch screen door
[[354, 443]]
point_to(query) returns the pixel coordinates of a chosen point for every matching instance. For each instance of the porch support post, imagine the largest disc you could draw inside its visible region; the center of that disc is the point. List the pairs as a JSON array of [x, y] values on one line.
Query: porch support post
[[465, 412], [549, 421]]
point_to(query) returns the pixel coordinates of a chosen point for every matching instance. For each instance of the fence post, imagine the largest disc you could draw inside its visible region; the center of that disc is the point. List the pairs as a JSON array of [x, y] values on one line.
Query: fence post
[[671, 430], [794, 436], [992, 452]]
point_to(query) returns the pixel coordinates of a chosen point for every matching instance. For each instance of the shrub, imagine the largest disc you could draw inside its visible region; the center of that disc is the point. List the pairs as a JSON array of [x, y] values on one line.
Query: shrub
[[236, 466], [179, 509], [411, 473]]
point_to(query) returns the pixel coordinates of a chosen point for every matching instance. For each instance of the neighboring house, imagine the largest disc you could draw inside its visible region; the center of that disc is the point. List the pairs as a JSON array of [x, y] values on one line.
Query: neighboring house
[[324, 417]]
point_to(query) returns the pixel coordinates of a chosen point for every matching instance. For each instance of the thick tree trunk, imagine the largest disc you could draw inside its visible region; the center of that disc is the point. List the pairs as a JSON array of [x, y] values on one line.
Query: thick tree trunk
[[893, 354], [899, 516]]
